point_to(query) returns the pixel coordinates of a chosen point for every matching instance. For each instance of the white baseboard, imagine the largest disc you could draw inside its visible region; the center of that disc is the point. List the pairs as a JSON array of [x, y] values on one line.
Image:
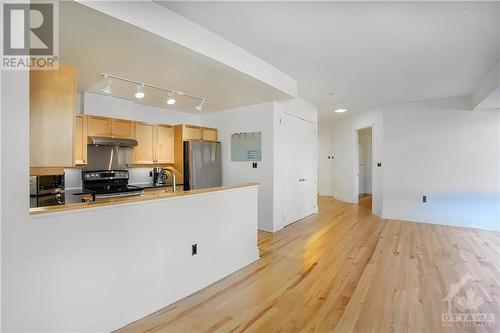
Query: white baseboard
[[454, 221], [377, 211], [149, 304], [266, 226], [346, 199]]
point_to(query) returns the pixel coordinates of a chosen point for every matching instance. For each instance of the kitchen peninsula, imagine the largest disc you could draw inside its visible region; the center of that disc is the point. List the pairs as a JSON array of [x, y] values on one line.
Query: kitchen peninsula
[[129, 257]]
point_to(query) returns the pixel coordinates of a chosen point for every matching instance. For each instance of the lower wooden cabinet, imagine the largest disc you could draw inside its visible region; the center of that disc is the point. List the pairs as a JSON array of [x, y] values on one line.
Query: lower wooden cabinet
[[80, 148]]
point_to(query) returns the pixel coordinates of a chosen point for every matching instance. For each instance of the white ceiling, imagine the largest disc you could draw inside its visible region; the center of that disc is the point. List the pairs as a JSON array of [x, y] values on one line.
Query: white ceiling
[[94, 43], [364, 54]]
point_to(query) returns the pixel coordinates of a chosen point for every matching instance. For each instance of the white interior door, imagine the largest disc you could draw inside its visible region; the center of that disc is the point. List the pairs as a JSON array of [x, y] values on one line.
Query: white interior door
[[300, 177], [361, 169]]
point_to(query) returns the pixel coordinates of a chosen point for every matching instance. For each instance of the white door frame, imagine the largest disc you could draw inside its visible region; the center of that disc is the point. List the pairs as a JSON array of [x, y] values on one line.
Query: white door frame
[[356, 164]]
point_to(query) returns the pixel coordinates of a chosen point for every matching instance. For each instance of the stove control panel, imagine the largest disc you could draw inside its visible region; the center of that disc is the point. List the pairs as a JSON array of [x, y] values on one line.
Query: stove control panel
[[105, 175]]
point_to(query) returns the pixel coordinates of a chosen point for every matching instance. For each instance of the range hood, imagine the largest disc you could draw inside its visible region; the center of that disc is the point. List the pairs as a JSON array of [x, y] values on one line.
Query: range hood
[[106, 141]]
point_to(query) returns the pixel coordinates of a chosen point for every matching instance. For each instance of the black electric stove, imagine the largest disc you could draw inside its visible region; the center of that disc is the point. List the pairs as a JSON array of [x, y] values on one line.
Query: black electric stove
[[103, 184]]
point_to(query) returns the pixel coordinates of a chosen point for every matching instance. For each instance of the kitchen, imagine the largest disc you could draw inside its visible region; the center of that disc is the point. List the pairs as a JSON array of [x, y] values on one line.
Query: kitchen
[[95, 263]]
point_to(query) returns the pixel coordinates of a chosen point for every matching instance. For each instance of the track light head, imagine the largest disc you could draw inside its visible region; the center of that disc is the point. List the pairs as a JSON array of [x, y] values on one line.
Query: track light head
[[199, 107], [171, 99], [140, 91], [107, 86]]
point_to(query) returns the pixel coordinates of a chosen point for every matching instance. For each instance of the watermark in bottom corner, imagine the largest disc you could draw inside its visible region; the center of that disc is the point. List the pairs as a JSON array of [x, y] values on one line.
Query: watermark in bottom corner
[[463, 306]]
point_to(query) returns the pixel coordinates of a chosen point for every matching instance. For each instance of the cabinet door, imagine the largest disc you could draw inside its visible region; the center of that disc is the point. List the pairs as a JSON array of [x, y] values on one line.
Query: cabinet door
[[52, 117], [145, 136], [81, 140], [164, 147], [122, 128], [191, 133], [99, 126], [208, 134]]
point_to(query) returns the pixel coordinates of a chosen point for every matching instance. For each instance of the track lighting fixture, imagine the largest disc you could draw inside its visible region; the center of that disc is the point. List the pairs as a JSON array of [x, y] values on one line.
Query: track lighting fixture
[[107, 86], [199, 107], [171, 99], [140, 91]]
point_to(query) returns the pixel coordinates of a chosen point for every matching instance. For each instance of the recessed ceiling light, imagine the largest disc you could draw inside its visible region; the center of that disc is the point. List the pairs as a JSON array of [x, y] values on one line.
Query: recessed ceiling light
[[340, 110], [140, 91]]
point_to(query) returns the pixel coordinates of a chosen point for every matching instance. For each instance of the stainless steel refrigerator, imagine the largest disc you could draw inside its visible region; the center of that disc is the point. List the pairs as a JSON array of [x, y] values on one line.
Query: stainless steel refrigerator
[[202, 165]]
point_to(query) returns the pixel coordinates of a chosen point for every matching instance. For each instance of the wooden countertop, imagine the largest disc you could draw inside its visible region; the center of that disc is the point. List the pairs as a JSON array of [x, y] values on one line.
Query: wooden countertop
[[149, 194]]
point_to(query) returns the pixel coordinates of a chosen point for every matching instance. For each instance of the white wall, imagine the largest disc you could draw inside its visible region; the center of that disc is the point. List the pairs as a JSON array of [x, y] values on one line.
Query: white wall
[[366, 140], [326, 157], [442, 150], [254, 118], [346, 141], [438, 148]]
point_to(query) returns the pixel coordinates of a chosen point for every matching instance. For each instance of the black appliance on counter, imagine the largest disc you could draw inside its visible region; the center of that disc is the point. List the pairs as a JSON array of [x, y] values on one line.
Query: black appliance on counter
[[103, 184], [46, 190]]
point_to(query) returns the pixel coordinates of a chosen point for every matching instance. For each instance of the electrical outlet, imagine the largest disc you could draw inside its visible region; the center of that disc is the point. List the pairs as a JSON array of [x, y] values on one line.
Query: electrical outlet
[[379, 164], [254, 165], [194, 249], [424, 198]]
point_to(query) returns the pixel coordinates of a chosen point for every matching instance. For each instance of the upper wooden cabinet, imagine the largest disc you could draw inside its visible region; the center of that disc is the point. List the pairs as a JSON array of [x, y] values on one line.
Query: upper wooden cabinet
[[155, 144], [110, 127], [122, 129], [52, 117], [190, 132], [99, 126], [81, 140], [144, 152], [164, 144], [208, 134], [193, 132]]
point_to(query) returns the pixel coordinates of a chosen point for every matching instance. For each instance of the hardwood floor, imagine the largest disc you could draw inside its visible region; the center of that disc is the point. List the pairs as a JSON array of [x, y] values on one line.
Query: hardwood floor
[[344, 270]]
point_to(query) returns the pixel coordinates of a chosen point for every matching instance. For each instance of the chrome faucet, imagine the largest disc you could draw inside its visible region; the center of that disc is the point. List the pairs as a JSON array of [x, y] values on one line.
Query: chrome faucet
[[173, 181]]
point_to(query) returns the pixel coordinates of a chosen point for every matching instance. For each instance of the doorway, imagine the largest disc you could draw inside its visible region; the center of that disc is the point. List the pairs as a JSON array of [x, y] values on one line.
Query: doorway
[[364, 166]]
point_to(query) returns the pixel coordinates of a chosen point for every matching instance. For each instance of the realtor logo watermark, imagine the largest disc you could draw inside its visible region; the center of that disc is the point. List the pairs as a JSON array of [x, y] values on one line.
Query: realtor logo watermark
[[30, 39], [463, 306]]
